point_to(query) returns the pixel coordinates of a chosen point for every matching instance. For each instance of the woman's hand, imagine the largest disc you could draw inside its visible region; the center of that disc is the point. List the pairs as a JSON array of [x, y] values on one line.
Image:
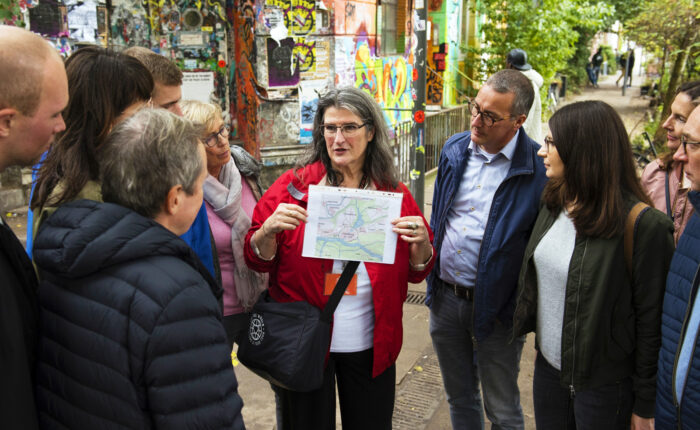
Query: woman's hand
[[287, 216], [413, 231]]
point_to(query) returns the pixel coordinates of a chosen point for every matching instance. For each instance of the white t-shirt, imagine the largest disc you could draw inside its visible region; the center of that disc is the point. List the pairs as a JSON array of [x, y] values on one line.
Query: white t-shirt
[[353, 320]]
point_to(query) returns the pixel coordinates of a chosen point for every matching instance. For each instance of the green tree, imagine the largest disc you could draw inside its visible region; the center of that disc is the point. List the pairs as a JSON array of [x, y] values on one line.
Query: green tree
[[551, 32], [671, 27], [10, 13]]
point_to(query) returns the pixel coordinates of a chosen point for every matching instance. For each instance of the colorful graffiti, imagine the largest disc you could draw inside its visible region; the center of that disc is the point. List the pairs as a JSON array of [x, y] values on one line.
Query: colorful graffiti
[[435, 74], [244, 91], [386, 79]]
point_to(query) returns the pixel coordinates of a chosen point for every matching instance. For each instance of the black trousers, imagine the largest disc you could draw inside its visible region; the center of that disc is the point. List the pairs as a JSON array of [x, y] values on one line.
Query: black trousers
[[366, 403], [604, 408]]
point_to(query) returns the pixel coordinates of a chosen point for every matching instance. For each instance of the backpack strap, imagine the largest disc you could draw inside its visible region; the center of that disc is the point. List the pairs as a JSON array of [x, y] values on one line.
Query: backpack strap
[[630, 226], [669, 211]]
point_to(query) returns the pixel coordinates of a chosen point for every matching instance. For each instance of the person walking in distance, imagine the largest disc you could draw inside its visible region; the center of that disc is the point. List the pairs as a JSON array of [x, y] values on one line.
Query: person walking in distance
[[517, 59], [485, 202]]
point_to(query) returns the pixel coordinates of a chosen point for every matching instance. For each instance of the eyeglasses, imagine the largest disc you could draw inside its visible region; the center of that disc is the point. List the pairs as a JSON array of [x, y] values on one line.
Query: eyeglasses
[[486, 117], [347, 130], [548, 143], [213, 139], [688, 144]]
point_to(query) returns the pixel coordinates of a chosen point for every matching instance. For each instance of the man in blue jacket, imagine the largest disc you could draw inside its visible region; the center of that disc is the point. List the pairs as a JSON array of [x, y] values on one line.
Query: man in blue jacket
[[485, 203], [678, 377]]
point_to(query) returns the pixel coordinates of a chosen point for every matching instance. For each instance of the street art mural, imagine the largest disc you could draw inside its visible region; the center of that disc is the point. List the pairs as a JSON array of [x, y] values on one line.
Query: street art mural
[[245, 99], [384, 78]]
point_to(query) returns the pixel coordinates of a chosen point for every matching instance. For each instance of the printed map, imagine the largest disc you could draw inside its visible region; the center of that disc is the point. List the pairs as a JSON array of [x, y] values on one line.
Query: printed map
[[351, 224]]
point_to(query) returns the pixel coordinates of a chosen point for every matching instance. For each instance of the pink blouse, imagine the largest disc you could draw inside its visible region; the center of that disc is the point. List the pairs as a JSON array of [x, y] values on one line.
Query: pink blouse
[[222, 239], [654, 183]]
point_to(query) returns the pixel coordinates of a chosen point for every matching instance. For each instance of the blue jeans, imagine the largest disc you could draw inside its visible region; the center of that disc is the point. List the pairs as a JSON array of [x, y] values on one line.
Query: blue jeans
[[603, 408], [494, 361], [593, 74]]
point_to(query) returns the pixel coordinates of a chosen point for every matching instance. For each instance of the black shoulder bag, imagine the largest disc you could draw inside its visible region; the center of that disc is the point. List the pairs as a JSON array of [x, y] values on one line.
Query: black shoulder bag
[[287, 343]]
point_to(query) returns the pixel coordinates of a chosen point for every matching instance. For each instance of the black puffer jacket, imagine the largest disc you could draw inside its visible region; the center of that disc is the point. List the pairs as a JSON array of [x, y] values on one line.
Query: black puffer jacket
[[130, 328]]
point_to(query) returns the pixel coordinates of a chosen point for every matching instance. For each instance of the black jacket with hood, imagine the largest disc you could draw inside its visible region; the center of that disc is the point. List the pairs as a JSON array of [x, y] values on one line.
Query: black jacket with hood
[[130, 328]]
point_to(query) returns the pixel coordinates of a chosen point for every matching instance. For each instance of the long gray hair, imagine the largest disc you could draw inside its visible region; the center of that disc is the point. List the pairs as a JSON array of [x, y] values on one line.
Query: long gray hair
[[379, 160]]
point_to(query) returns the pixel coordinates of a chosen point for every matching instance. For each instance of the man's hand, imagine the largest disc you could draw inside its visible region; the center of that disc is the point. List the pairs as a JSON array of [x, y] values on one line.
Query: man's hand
[[639, 423]]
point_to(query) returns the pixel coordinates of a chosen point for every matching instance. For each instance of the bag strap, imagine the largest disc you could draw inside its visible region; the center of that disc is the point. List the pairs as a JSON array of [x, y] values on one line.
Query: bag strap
[[668, 198], [630, 225], [339, 290]]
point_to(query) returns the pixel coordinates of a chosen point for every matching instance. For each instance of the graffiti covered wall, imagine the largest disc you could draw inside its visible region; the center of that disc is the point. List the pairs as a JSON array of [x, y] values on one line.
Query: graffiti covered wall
[[387, 79], [443, 49]]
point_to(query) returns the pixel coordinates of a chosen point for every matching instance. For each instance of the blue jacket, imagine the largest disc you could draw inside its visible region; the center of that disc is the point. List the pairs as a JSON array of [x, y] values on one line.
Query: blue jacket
[[513, 212], [678, 302], [130, 332]]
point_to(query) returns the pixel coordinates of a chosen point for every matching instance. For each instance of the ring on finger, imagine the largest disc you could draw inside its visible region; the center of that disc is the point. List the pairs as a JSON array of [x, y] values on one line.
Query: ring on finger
[[413, 226]]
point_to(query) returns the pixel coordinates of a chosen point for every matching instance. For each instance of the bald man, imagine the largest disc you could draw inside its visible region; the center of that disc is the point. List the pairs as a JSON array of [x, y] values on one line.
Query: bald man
[[33, 93]]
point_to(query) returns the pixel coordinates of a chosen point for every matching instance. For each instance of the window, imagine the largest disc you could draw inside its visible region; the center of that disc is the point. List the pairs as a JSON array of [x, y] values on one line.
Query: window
[[388, 24]]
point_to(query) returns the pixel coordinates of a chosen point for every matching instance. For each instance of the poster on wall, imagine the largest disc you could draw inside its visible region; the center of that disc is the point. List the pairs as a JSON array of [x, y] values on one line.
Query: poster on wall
[[313, 57], [344, 61], [197, 86], [309, 93], [282, 67], [82, 20], [47, 18]]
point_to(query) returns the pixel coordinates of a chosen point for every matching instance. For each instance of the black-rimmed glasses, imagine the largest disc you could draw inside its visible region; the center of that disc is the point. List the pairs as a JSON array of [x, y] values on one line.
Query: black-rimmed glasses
[[213, 139], [694, 146], [486, 117], [347, 130]]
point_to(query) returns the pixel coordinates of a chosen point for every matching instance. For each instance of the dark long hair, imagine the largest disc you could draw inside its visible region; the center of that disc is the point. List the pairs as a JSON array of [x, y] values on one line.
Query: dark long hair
[[692, 90], [101, 85], [599, 170], [379, 161]]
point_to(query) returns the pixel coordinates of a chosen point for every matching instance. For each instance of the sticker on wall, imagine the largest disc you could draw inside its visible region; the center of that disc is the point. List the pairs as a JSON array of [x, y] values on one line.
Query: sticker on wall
[[197, 86], [309, 93], [82, 20], [194, 38]]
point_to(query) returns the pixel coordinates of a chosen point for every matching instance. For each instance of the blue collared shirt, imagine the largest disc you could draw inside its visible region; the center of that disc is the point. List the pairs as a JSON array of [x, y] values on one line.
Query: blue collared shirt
[[687, 346], [467, 217]]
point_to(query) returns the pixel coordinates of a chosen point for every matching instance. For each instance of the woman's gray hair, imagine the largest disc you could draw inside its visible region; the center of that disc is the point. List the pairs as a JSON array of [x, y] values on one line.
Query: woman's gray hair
[[513, 81], [145, 156], [379, 159]]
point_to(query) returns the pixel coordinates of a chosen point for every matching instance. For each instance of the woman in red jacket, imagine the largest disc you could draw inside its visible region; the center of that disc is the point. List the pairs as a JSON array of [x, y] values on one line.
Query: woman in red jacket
[[350, 149]]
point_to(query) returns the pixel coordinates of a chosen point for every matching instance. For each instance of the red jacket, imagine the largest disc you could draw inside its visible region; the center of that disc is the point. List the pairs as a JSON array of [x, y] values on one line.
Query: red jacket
[[295, 278]]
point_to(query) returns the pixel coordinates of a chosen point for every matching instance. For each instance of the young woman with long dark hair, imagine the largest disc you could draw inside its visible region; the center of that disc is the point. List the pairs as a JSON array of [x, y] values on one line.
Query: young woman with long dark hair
[[598, 326]]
